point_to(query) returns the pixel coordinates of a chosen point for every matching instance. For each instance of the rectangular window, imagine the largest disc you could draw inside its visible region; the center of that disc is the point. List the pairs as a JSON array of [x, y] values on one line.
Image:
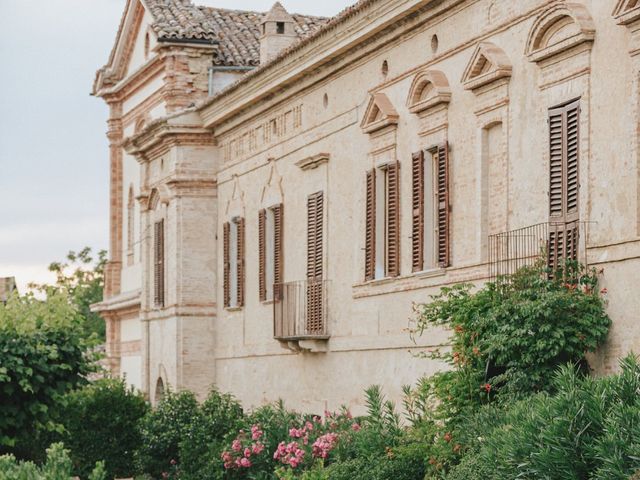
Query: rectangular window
[[382, 240], [270, 246], [158, 264], [564, 123], [234, 263], [430, 209]]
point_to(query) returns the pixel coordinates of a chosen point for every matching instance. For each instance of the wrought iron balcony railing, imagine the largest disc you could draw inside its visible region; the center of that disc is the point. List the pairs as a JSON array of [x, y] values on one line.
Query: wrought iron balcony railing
[[300, 310], [553, 241]]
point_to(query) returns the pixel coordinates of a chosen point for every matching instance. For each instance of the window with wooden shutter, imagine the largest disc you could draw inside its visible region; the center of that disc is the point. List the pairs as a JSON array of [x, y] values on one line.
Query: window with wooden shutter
[[393, 220], [370, 227], [240, 262], [227, 264], [262, 249], [278, 258], [158, 264], [417, 211], [564, 183], [315, 211], [442, 205]]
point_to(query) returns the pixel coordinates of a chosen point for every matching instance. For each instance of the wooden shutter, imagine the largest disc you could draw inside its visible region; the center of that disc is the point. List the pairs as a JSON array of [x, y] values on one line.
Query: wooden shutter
[[278, 258], [393, 220], [158, 284], [315, 306], [315, 208], [564, 183], [417, 211], [240, 260], [262, 281], [442, 202], [370, 227], [227, 263]]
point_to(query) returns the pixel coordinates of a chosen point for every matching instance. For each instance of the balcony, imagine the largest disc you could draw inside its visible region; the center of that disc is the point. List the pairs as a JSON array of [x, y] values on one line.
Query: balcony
[[553, 241], [300, 314]]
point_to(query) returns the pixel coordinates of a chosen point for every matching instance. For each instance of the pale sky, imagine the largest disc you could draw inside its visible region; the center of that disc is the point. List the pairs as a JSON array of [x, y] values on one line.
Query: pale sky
[[53, 151]]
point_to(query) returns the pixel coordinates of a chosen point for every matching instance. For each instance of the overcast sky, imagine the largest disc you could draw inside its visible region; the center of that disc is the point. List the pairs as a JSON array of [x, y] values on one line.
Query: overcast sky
[[53, 150]]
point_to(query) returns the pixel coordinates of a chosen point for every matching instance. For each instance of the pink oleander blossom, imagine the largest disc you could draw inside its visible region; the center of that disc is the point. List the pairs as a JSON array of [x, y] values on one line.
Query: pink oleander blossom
[[324, 444]]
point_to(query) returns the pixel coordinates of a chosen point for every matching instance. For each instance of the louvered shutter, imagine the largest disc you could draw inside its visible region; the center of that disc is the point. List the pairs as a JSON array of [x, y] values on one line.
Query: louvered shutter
[[393, 220], [240, 260], [417, 211], [227, 263], [370, 227], [262, 281], [278, 259], [564, 183], [315, 210], [442, 201], [158, 293]]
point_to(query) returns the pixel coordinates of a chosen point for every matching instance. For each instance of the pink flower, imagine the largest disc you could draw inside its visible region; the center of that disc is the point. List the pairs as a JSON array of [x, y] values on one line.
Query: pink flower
[[256, 433], [258, 448], [244, 462], [236, 446], [355, 427], [324, 444], [247, 452], [308, 426]]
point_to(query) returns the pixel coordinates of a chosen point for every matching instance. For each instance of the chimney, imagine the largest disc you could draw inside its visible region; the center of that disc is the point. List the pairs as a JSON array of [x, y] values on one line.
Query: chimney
[[277, 32]]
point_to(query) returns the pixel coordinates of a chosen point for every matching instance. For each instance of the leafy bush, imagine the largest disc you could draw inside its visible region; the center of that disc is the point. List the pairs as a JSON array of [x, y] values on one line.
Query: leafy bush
[[43, 355], [201, 448], [588, 429], [162, 429], [101, 423], [58, 466]]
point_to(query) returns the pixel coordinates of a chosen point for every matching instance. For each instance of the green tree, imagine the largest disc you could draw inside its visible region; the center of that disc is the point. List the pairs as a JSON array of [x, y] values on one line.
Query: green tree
[[81, 276], [43, 355]]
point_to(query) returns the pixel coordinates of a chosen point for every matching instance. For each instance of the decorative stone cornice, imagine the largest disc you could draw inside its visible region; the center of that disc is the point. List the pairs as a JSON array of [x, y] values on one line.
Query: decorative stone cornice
[[626, 11], [314, 161], [429, 89], [380, 113], [559, 28], [488, 64]]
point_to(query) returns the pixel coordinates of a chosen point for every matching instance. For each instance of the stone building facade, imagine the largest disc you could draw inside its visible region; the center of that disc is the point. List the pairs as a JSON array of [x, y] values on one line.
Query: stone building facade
[[273, 222]]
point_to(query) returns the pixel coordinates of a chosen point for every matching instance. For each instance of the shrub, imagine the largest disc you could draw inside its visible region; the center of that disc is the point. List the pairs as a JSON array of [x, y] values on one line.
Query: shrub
[[43, 355], [162, 429], [588, 428], [58, 466], [101, 423], [201, 448]]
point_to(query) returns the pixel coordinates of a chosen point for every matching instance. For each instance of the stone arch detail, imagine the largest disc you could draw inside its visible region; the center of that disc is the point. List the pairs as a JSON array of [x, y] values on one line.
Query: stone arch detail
[[157, 196], [488, 64], [428, 89], [272, 193], [559, 28]]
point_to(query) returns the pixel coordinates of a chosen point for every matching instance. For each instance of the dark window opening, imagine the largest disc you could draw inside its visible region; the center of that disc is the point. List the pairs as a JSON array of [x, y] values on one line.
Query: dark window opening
[[280, 27]]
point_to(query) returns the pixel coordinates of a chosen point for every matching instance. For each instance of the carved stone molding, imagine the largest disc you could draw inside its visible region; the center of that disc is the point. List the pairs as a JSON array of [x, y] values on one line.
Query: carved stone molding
[[561, 27], [488, 64], [380, 113], [314, 161], [429, 89]]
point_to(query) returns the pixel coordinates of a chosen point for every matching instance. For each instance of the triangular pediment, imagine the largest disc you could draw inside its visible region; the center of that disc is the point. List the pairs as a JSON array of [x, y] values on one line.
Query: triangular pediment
[[429, 88], [488, 64], [132, 46], [626, 11], [380, 113]]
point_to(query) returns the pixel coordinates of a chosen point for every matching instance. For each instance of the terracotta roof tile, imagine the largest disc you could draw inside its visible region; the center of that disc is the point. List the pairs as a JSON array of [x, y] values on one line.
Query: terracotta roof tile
[[236, 31]]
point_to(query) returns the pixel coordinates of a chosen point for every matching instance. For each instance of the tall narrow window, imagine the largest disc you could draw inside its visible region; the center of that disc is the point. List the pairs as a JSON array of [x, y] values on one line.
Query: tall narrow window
[[234, 277], [158, 264], [270, 249], [563, 182], [430, 209], [382, 238], [130, 226]]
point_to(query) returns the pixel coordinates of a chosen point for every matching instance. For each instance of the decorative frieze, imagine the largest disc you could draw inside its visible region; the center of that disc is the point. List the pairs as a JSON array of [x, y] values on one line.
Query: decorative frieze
[[262, 135]]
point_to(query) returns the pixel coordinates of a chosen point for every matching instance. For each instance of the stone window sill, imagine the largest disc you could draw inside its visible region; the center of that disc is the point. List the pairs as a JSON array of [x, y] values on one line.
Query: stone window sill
[[386, 285]]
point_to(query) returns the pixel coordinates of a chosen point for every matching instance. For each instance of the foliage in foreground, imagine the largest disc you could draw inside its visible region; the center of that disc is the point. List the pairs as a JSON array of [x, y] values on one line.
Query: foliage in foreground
[[101, 423], [43, 355], [58, 466], [81, 277]]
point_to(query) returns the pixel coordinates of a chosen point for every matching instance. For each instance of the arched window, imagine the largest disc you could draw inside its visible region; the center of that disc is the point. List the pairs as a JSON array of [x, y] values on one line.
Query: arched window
[[130, 226]]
